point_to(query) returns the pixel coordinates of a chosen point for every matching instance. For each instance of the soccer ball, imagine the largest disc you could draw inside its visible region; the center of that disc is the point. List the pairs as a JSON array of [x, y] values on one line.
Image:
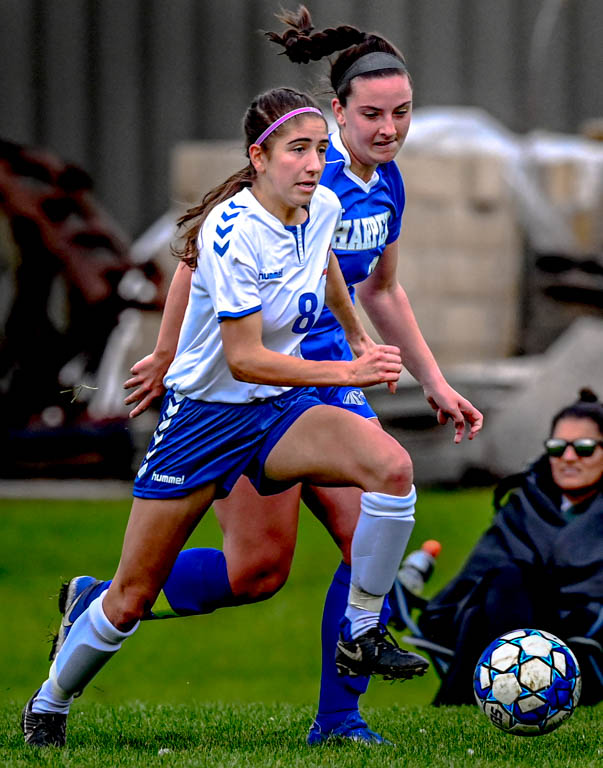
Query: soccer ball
[[527, 682]]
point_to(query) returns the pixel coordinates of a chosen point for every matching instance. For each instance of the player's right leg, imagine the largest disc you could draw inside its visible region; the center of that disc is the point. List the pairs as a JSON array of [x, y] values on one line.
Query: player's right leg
[[311, 450], [156, 532]]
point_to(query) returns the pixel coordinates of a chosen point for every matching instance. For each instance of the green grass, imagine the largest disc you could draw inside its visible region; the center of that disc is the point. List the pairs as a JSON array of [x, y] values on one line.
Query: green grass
[[199, 677], [266, 735], [222, 656]]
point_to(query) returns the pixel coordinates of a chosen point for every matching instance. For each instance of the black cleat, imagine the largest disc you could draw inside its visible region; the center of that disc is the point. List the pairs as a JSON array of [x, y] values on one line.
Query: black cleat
[[43, 729], [377, 653]]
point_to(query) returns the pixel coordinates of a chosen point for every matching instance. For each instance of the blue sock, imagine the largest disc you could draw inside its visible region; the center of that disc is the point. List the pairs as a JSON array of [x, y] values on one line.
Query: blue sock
[[338, 695], [198, 583]]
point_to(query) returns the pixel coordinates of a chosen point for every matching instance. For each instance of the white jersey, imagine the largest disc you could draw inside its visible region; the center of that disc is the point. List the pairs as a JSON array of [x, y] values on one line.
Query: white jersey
[[249, 261]]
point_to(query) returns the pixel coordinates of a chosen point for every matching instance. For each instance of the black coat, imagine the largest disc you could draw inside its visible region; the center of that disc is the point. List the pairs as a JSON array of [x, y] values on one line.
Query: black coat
[[560, 562]]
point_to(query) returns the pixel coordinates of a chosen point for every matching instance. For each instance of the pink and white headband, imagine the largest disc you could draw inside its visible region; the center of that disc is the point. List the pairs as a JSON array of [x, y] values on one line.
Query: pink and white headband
[[285, 117]]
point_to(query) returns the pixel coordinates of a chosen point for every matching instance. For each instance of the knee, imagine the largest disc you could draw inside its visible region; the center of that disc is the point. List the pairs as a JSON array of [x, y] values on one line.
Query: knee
[[393, 472], [260, 580]]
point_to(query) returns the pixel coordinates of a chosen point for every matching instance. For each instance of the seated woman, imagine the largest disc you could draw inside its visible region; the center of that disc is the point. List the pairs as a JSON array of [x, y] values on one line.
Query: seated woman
[[539, 565]]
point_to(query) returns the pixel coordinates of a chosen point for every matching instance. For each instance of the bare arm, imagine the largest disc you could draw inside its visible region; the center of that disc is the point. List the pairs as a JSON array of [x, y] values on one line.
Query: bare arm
[[337, 298], [387, 304], [249, 360], [148, 373], [341, 305]]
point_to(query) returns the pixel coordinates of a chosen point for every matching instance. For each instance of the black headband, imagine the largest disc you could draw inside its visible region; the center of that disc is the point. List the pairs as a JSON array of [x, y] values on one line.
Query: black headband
[[370, 62]]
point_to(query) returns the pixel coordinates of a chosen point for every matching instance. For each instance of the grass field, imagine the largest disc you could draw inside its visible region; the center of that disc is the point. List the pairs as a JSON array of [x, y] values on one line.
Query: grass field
[[272, 736], [192, 685]]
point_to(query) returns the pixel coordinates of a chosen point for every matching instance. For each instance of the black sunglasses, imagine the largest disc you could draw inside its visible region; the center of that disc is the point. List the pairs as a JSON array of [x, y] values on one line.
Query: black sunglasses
[[584, 446]]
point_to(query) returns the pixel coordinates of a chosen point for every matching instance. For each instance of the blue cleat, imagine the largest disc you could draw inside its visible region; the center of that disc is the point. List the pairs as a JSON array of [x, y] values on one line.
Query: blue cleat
[[75, 596], [353, 728]]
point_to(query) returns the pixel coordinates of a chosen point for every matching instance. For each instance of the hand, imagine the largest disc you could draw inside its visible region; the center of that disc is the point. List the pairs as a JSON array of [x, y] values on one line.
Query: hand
[[380, 363], [364, 344], [450, 405], [147, 376], [361, 344]]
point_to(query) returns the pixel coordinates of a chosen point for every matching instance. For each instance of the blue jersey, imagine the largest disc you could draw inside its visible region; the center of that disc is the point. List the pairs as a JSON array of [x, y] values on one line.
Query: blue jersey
[[371, 219]]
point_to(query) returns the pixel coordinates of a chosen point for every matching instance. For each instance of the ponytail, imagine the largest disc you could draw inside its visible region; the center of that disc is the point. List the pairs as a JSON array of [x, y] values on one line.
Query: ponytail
[[198, 213], [302, 43]]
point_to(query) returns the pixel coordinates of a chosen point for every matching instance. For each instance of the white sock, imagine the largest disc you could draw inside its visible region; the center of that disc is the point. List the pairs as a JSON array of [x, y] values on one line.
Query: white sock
[[90, 644], [380, 540]]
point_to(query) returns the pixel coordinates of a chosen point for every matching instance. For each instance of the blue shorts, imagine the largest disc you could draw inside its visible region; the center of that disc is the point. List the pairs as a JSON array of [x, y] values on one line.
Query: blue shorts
[[197, 442], [350, 398]]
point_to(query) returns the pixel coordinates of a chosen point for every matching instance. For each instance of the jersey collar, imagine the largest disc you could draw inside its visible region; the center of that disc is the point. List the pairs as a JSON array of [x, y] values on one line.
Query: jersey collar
[[338, 144], [249, 199]]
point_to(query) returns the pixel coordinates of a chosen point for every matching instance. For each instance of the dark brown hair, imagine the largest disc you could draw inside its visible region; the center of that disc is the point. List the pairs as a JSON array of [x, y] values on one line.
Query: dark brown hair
[[587, 406], [302, 44], [262, 112]]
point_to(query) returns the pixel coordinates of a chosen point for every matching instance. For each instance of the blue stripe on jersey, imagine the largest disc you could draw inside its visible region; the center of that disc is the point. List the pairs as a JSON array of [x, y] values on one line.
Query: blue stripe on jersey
[[242, 313], [221, 247], [225, 231], [299, 233], [234, 207]]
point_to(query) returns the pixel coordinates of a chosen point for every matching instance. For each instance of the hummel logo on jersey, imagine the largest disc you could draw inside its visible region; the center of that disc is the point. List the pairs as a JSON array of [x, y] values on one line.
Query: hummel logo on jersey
[[171, 479], [354, 397], [271, 275], [362, 234], [221, 243]]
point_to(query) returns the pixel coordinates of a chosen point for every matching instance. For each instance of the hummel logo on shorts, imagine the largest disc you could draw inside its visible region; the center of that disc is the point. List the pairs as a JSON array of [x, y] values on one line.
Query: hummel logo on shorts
[[171, 479]]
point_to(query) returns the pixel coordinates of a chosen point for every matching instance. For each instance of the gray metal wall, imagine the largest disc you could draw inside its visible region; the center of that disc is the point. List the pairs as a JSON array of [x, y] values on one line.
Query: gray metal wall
[[113, 84]]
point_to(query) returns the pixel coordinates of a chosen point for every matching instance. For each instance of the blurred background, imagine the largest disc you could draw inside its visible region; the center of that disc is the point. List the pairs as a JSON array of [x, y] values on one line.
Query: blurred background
[[115, 114]]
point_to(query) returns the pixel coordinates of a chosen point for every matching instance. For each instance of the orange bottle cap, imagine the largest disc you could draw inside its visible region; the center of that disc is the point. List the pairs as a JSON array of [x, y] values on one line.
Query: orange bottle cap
[[432, 547]]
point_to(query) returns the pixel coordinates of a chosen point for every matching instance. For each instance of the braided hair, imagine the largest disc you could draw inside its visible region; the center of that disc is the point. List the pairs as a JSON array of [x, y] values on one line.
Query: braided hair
[[302, 43]]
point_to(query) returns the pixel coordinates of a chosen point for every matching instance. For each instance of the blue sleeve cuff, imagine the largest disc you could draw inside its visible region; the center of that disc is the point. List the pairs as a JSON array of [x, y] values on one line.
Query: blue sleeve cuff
[[242, 313]]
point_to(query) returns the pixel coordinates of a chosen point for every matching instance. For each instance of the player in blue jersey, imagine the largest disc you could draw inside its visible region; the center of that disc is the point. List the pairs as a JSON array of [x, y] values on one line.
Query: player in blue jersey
[[241, 398], [372, 106]]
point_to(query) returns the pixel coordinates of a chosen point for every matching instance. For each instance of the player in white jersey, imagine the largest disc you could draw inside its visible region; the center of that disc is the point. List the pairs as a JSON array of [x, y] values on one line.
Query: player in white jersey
[[274, 428], [253, 263], [372, 105]]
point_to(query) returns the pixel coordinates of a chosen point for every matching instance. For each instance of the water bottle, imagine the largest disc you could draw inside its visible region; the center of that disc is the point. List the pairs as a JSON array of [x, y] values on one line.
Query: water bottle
[[417, 567]]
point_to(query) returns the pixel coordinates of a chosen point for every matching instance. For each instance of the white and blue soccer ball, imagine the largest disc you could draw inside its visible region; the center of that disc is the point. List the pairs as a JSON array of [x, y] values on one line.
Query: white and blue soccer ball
[[527, 682]]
